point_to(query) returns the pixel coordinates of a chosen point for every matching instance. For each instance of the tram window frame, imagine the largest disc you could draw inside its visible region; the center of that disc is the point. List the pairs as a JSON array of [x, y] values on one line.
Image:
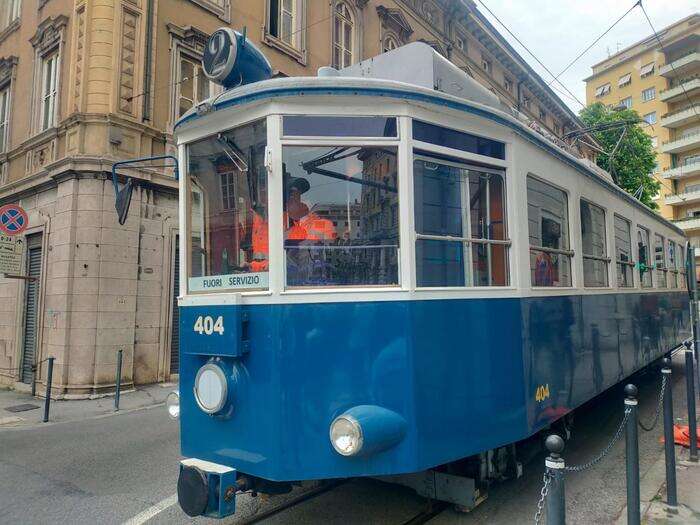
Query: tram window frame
[[549, 252], [456, 139], [466, 243], [625, 279], [642, 261], [594, 259], [661, 271], [683, 269], [672, 258]]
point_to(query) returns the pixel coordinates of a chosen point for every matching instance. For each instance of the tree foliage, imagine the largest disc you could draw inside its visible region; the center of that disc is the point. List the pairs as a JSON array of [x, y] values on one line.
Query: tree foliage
[[634, 161]]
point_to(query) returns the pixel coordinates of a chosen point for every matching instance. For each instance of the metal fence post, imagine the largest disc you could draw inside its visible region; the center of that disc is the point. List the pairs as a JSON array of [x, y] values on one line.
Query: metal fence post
[[47, 401], [118, 380], [556, 503], [690, 389], [669, 445], [632, 456]]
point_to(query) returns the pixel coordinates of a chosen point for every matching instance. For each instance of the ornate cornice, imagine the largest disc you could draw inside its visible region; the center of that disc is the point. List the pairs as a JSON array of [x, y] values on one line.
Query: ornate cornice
[[395, 19], [49, 32]]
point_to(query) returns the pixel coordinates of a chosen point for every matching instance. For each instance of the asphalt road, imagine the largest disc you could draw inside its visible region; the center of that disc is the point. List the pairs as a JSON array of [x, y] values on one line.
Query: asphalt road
[[124, 467]]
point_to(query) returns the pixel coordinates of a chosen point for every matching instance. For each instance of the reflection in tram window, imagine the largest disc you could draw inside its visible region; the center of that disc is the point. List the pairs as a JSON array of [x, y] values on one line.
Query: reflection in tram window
[[682, 270], [460, 225], [460, 140], [341, 216], [594, 249], [643, 257], [660, 261], [228, 203], [672, 265], [623, 251], [335, 126], [548, 225]]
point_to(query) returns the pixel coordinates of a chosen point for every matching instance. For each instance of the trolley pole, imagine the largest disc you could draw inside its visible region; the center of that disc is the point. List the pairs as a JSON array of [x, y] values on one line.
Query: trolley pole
[[690, 389], [556, 502], [669, 444], [47, 401], [632, 456]]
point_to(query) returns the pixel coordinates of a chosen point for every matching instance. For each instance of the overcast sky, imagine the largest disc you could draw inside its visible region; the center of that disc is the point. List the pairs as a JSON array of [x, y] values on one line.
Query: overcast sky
[[557, 31]]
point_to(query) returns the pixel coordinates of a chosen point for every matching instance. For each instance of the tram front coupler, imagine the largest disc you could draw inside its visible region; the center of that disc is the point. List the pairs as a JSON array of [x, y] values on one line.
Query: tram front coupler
[[208, 489]]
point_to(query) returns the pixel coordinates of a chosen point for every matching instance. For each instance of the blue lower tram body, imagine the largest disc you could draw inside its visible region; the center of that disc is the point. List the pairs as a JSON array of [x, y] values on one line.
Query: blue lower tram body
[[462, 373]]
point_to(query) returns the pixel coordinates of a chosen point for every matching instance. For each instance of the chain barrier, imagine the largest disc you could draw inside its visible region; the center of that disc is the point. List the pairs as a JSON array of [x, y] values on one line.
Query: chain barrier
[[606, 450], [546, 481], [658, 408]]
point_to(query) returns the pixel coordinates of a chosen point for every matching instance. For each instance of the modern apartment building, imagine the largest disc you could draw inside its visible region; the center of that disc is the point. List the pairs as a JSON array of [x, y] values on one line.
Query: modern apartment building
[[84, 83], [662, 83]]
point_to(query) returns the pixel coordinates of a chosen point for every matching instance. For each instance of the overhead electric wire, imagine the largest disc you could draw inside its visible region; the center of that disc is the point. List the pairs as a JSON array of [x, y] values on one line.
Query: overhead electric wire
[[556, 78], [663, 50], [530, 53]]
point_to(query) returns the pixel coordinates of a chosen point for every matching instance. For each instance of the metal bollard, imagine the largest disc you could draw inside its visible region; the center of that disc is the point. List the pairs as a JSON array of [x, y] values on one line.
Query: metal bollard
[[690, 389], [632, 456], [49, 378], [118, 380], [556, 503], [669, 445]]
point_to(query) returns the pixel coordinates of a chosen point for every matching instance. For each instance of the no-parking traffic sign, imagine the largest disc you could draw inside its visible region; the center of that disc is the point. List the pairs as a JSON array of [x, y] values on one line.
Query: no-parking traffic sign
[[13, 219]]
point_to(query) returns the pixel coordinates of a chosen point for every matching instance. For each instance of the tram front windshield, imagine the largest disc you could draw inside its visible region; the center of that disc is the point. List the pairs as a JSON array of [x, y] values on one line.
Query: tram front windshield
[[228, 210]]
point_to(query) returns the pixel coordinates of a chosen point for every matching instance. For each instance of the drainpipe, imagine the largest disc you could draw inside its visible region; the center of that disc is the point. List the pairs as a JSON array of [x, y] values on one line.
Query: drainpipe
[[147, 70]]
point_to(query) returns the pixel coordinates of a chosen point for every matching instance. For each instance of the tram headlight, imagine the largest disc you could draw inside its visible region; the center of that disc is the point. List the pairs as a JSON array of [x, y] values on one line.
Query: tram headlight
[[211, 388], [172, 404], [346, 435]]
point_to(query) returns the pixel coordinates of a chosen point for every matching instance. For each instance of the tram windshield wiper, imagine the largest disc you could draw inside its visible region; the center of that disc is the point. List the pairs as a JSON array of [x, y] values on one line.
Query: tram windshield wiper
[[232, 151]]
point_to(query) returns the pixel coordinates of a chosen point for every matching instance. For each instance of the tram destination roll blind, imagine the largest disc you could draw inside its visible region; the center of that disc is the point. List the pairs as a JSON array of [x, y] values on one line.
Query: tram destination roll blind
[[234, 281]]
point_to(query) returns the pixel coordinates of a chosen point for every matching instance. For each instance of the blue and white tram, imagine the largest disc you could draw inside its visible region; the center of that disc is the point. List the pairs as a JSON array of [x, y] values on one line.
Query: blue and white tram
[[387, 272]]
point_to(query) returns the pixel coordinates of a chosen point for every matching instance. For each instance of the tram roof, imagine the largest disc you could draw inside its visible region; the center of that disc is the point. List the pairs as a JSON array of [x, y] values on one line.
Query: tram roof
[[294, 87]]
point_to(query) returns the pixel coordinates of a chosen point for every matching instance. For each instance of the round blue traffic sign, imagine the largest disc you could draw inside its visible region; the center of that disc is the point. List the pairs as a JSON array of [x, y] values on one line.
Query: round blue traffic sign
[[13, 219]]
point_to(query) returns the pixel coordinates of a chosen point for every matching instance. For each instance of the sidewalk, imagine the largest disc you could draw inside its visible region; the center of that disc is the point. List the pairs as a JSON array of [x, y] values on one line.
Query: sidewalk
[[75, 410]]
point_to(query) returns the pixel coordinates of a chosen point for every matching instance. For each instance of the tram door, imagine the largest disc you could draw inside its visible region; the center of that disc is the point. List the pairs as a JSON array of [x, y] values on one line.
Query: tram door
[[175, 321], [31, 307]]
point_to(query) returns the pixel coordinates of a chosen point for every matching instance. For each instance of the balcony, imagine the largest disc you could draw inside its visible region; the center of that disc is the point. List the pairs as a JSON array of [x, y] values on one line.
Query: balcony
[[680, 65], [680, 199], [679, 145], [680, 172], [689, 223], [680, 117], [687, 85]]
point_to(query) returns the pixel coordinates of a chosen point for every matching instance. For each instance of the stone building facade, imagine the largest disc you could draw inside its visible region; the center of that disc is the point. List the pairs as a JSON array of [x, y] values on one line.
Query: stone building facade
[[84, 83]]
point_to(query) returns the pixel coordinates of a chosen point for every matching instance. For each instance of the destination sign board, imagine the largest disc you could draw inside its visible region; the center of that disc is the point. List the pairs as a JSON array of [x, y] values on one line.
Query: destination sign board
[[236, 281]]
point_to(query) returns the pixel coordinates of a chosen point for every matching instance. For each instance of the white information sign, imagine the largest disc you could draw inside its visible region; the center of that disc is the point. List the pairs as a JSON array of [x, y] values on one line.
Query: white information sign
[[11, 251], [236, 281]]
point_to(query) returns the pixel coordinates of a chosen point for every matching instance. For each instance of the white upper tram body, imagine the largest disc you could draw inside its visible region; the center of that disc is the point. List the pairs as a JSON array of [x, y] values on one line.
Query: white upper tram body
[[416, 83]]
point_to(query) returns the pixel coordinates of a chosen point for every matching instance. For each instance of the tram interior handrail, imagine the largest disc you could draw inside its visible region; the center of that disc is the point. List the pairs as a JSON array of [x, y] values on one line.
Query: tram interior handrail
[[122, 196]]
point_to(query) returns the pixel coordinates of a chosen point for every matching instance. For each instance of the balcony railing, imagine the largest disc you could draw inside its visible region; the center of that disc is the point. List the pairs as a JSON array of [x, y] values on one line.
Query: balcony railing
[[682, 143], [680, 116], [670, 68], [684, 169], [680, 87]]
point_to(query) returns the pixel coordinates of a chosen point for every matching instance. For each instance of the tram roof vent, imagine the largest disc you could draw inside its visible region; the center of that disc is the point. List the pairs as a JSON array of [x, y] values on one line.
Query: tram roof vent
[[419, 64]]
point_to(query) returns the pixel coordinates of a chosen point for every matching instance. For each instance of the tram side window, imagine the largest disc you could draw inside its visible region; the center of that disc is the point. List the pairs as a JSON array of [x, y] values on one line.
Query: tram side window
[[643, 257], [548, 227], [341, 208], [460, 225], [594, 248], [672, 265], [682, 269], [228, 210], [623, 253], [660, 261]]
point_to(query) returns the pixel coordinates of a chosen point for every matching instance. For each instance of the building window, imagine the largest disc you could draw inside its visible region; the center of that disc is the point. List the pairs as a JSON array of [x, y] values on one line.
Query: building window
[[543, 115], [460, 43], [623, 253], [556, 128], [193, 86], [508, 84], [49, 72], [660, 261], [343, 36], [625, 80], [285, 26], [627, 102], [460, 225], [647, 69], [4, 117], [648, 94], [602, 90], [594, 247], [548, 226], [486, 65], [390, 43], [526, 103], [650, 118], [655, 141], [9, 12], [643, 257]]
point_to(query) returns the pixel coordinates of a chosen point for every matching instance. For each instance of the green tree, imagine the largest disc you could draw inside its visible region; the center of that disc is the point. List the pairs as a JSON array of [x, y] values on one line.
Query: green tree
[[634, 160]]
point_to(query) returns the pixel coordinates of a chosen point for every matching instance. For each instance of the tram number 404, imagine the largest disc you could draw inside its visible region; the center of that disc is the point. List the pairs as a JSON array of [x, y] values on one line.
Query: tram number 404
[[205, 324], [542, 393]]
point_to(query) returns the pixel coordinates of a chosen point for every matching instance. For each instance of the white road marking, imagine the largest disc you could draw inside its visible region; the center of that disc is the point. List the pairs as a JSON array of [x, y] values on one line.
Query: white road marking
[[143, 517]]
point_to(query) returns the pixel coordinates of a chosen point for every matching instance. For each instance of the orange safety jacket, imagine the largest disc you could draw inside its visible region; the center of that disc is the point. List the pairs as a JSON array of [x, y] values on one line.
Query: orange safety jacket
[[261, 246]]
